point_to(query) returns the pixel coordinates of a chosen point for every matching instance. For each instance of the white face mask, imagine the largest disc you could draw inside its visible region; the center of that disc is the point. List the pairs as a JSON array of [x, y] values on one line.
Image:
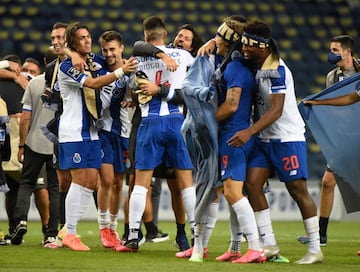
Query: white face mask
[[27, 75]]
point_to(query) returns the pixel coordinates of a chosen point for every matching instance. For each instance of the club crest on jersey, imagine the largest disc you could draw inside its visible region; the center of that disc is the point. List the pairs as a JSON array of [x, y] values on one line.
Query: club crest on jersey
[[120, 83], [77, 158], [73, 73]]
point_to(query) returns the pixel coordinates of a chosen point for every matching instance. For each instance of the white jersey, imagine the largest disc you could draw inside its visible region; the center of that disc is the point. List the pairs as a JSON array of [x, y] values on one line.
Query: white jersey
[[290, 126], [156, 72], [74, 125]]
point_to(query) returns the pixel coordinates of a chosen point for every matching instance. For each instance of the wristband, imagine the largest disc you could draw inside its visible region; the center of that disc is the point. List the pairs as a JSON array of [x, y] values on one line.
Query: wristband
[[119, 73], [21, 146], [4, 64]]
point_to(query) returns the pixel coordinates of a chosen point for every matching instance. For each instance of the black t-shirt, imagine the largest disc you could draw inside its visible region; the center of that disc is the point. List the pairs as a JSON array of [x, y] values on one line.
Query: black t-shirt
[[12, 94]]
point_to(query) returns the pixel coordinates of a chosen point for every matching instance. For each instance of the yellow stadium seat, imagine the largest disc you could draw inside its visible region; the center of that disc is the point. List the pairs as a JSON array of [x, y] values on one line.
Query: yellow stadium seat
[[97, 14], [175, 5], [279, 8], [2, 10], [315, 44], [137, 27], [291, 31], [298, 20], [205, 6], [335, 31], [191, 17], [285, 44], [178, 17], [234, 7], [106, 25], [4, 35], [249, 7], [115, 4], [87, 2], [15, 10], [329, 20], [295, 56], [320, 33], [31, 11], [206, 18], [80, 12], [35, 35], [19, 35], [121, 27], [28, 47], [346, 22], [264, 7], [70, 2], [24, 23], [219, 7], [284, 19], [160, 5], [314, 21], [8, 22], [269, 19]]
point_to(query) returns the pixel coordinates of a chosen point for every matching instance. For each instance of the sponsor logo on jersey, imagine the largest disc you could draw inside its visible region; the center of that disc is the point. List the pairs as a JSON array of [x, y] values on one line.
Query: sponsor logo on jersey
[[73, 73]]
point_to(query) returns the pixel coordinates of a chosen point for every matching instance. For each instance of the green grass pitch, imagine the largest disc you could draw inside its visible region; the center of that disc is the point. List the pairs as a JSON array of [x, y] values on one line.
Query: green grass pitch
[[339, 255]]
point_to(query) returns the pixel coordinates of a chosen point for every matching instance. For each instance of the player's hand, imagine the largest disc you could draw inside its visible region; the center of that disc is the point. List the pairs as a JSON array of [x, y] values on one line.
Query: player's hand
[[239, 138], [15, 67], [207, 49], [170, 63], [78, 62], [22, 81], [130, 65], [149, 88]]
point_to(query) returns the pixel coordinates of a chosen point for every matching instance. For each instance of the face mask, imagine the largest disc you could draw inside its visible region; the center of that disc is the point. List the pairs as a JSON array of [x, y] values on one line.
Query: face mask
[[333, 58]]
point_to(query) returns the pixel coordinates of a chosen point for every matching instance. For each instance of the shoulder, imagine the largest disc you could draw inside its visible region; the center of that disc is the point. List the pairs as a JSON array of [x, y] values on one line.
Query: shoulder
[[238, 65]]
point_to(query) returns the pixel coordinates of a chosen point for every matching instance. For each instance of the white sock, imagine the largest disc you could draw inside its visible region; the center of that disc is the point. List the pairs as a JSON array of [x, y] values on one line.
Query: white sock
[[246, 217], [189, 200], [236, 233], [312, 229], [113, 222], [136, 209], [213, 209], [198, 238], [103, 219], [76, 203], [264, 225]]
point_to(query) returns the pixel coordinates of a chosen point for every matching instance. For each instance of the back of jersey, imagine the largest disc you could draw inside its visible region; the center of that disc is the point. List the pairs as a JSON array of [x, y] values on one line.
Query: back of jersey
[[157, 73]]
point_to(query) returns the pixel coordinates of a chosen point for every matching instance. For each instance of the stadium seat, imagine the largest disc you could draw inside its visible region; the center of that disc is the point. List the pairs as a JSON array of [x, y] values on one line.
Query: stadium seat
[[80, 12], [15, 10]]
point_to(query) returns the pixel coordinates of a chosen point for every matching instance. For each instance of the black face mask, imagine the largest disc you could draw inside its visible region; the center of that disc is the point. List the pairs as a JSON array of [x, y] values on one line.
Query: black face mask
[[333, 58]]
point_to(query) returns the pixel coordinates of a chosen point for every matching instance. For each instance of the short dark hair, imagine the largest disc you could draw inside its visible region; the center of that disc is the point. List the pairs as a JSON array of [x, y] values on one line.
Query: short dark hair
[[258, 28], [14, 58], [153, 22], [110, 35], [346, 42], [70, 33], [154, 27], [32, 60]]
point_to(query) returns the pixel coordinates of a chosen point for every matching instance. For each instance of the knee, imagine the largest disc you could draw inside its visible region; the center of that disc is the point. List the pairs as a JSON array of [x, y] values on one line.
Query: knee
[[328, 182]]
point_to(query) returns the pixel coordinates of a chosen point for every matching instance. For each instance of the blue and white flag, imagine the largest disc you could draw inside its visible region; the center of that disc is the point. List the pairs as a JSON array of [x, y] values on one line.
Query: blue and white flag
[[337, 131], [199, 131]]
